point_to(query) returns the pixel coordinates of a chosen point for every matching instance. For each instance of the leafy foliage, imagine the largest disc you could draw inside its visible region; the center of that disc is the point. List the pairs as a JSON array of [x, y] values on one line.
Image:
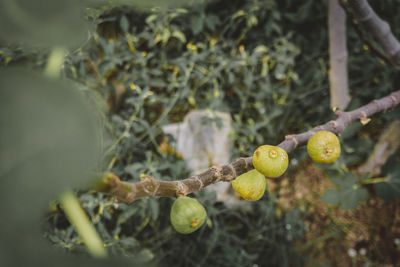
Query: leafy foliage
[[348, 194], [264, 62]]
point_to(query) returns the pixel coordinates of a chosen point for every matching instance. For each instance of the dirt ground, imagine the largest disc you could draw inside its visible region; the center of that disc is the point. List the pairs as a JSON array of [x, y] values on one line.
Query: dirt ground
[[366, 236]]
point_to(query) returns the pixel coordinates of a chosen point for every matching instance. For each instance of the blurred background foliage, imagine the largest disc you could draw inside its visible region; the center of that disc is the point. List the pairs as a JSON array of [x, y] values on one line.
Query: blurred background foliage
[[266, 63]]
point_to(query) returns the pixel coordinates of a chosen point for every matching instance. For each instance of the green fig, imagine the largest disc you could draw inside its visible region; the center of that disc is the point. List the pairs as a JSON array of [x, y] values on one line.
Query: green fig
[[323, 147], [271, 161], [250, 185], [187, 215]]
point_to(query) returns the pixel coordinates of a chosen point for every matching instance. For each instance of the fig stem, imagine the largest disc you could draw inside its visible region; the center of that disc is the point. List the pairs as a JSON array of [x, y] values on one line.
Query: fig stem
[[374, 180]]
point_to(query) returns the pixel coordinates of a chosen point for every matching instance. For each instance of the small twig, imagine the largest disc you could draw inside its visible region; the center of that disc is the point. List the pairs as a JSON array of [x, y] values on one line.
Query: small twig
[[129, 192], [374, 180]]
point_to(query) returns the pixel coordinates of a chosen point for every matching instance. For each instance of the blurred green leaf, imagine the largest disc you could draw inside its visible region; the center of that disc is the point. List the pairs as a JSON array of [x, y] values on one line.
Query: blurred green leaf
[[42, 22], [348, 194], [331, 196], [391, 188], [124, 23], [196, 24]]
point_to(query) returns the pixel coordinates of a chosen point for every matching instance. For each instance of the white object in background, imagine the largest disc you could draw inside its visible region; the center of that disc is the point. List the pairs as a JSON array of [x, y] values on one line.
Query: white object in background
[[202, 139]]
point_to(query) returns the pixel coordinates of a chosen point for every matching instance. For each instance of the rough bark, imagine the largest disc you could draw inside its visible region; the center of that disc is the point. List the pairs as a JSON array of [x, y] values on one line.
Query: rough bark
[[379, 28], [129, 192], [361, 33], [340, 97]]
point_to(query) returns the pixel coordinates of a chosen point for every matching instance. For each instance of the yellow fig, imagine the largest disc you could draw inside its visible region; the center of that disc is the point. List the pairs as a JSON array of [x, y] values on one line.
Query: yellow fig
[[272, 161], [250, 185], [323, 147]]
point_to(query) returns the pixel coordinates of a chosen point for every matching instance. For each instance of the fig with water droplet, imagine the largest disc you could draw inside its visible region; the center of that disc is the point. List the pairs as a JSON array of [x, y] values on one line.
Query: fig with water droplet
[[323, 147], [271, 161]]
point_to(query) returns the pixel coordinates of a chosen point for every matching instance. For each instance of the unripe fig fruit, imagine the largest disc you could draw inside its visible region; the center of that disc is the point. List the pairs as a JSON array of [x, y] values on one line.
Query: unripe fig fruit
[[187, 215], [323, 147], [250, 185], [271, 161]]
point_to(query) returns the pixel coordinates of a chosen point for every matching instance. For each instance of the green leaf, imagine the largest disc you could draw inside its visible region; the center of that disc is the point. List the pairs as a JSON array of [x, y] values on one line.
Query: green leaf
[[49, 138], [212, 21], [391, 188], [196, 23], [151, 18], [145, 255], [179, 35], [124, 24], [350, 197], [48, 142], [129, 241], [42, 22], [345, 180], [348, 194], [331, 196], [127, 213], [134, 169], [154, 208]]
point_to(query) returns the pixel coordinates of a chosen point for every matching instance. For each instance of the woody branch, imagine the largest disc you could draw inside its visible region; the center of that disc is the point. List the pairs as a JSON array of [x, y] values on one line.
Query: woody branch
[[148, 186], [380, 29]]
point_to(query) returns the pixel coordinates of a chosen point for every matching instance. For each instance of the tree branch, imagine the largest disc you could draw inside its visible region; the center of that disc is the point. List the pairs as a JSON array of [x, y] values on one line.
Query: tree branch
[[129, 192], [379, 28], [338, 56], [387, 144], [360, 33]]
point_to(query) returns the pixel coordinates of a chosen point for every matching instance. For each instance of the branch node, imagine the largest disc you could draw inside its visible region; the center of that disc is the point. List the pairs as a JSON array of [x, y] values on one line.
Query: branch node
[[364, 115], [199, 181], [393, 97], [293, 138], [217, 172], [333, 124], [234, 174], [338, 113], [182, 189], [364, 119], [152, 187]]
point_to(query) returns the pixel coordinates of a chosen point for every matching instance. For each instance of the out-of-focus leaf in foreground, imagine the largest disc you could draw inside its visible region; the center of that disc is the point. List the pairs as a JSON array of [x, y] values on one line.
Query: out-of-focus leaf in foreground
[[42, 22], [48, 142]]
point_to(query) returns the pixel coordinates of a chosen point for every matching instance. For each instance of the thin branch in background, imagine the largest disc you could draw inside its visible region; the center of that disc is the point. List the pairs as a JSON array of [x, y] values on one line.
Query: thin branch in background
[[339, 91], [360, 32], [149, 186], [387, 144], [380, 29]]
